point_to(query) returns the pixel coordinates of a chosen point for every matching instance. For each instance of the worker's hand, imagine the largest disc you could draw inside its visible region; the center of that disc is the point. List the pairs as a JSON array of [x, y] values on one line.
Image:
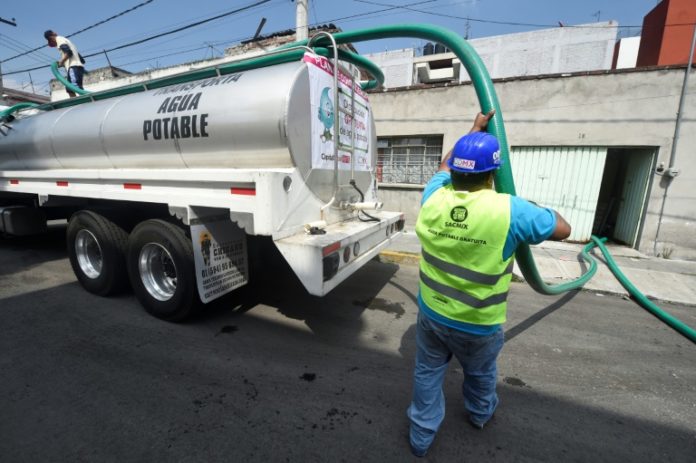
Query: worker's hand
[[481, 121], [443, 163]]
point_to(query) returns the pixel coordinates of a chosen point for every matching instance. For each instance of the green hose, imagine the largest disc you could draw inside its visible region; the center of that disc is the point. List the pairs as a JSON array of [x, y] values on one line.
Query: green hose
[[646, 303], [503, 178], [213, 71], [69, 85], [488, 100], [15, 108]]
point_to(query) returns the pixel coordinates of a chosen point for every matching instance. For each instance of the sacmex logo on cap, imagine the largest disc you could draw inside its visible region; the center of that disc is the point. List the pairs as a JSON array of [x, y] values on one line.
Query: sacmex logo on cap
[[496, 157], [464, 163]]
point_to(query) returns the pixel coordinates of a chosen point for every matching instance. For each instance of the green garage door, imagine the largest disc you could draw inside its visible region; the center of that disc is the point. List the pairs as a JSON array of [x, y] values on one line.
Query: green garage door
[[564, 178]]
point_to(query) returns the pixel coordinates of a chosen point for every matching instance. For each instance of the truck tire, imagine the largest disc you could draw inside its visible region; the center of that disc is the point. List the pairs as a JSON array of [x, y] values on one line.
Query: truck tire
[[97, 250], [162, 270]]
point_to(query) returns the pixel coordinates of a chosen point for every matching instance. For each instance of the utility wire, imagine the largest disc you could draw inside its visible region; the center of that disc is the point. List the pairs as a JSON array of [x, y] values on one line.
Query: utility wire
[[22, 47], [84, 29], [153, 37], [188, 19], [506, 23], [238, 39]]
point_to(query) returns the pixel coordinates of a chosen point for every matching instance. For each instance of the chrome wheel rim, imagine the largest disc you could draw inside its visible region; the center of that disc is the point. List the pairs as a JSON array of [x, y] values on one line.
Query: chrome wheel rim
[[157, 271], [89, 254]]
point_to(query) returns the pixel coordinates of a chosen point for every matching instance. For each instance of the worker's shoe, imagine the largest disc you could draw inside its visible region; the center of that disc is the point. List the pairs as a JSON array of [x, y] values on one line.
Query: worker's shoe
[[420, 440], [478, 424], [418, 452]]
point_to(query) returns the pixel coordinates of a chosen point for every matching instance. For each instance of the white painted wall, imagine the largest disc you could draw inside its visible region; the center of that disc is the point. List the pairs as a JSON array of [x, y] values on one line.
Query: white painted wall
[[628, 52], [636, 108], [588, 47], [397, 66]]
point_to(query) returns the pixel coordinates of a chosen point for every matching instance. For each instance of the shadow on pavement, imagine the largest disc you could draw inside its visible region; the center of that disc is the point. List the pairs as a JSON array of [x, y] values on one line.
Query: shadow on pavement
[[87, 378], [33, 250]]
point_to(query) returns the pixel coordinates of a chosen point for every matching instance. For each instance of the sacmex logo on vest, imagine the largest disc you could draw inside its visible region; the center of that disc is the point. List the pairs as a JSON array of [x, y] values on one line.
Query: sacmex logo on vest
[[459, 213]]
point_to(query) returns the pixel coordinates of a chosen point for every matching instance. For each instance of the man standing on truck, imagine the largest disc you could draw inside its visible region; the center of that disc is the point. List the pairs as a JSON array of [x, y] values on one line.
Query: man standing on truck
[[468, 234], [70, 58]]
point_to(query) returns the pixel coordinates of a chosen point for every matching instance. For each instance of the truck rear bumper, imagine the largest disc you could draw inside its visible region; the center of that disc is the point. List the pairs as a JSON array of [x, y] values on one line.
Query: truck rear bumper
[[323, 261]]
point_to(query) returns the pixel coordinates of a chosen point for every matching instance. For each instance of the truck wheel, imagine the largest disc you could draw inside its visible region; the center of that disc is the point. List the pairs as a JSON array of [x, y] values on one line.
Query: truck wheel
[[97, 249], [162, 270]]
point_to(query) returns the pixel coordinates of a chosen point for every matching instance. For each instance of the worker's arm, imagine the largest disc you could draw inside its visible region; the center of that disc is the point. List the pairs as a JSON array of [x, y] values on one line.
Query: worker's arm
[[532, 224], [480, 124], [562, 229], [65, 53]]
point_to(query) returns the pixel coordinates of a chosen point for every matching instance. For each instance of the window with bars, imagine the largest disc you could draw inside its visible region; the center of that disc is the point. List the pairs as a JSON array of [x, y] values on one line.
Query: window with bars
[[412, 159]]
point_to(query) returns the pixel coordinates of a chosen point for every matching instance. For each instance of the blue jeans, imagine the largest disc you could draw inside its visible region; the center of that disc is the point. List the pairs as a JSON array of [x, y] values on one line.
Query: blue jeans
[[436, 344]]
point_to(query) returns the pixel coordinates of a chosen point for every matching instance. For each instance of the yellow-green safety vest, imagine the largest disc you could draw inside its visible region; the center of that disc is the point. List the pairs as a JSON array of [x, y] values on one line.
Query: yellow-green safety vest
[[462, 272]]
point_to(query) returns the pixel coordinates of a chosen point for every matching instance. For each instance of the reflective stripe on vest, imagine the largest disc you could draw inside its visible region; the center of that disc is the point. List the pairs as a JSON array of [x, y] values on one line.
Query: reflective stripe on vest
[[463, 274]]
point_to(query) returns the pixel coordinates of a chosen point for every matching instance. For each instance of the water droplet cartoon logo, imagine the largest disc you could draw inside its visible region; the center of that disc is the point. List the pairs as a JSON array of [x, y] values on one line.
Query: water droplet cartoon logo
[[326, 113], [206, 243]]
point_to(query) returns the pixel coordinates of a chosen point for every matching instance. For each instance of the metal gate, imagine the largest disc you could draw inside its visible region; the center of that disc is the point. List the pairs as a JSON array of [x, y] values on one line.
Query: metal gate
[[564, 178], [633, 192]]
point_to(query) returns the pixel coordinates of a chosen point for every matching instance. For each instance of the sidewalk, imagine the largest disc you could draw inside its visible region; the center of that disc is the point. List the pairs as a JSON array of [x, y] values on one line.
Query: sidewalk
[[660, 279]]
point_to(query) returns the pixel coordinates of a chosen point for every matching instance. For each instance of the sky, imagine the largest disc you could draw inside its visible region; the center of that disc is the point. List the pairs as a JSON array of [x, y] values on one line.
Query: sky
[[208, 40]]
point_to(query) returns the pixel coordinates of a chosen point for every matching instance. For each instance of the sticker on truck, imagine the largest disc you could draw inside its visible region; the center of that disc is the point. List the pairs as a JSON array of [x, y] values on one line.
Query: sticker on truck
[[323, 108], [220, 255]]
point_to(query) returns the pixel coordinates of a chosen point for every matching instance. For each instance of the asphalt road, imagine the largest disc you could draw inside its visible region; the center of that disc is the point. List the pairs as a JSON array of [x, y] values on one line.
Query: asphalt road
[[289, 377]]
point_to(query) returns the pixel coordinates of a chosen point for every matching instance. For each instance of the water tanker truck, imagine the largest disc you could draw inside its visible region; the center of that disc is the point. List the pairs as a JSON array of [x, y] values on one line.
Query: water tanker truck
[[169, 185]]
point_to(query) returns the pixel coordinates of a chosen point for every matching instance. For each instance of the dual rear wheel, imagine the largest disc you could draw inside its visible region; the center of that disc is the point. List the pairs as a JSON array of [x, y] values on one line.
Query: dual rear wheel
[[156, 257]]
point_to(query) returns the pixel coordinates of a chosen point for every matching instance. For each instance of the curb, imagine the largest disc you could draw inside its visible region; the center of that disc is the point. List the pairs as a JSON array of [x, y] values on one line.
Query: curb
[[398, 257]]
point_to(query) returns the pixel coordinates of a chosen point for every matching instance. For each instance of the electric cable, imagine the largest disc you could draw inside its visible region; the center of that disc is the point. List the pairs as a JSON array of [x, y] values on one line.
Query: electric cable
[[508, 23], [370, 218], [157, 36], [84, 29]]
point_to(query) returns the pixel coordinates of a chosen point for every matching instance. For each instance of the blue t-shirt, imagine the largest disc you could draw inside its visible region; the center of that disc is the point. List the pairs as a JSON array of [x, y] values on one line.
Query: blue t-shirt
[[528, 224]]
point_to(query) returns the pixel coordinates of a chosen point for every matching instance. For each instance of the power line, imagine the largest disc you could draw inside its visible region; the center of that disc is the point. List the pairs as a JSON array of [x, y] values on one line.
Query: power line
[[163, 34], [188, 26], [238, 39], [21, 47], [505, 23], [146, 33], [84, 29]]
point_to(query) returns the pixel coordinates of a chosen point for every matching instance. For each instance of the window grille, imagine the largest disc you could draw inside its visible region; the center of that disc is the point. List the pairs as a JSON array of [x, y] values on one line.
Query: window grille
[[412, 159]]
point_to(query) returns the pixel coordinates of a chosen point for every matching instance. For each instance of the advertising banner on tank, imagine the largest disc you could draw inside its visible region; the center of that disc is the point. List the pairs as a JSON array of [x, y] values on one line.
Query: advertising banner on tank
[[323, 108]]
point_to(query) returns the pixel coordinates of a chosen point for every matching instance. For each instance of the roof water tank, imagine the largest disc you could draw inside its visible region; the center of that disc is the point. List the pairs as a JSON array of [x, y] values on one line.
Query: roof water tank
[[428, 49]]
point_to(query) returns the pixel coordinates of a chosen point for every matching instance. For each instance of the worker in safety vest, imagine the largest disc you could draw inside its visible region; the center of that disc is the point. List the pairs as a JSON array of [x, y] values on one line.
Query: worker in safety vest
[[468, 235], [70, 58]]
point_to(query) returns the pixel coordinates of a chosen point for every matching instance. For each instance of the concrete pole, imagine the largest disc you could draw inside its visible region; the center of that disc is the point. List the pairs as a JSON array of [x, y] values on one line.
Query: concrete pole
[[302, 32], [671, 171]]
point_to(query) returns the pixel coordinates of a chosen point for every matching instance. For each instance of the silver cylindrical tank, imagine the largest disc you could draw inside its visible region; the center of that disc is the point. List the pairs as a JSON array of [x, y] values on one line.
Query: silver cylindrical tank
[[254, 119]]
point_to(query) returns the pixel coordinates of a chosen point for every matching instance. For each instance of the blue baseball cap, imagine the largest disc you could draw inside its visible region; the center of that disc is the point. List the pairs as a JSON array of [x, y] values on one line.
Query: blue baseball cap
[[475, 153]]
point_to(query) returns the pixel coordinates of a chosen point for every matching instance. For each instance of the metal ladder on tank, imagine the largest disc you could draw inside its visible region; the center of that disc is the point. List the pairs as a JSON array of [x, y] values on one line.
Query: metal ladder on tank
[[337, 122]]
